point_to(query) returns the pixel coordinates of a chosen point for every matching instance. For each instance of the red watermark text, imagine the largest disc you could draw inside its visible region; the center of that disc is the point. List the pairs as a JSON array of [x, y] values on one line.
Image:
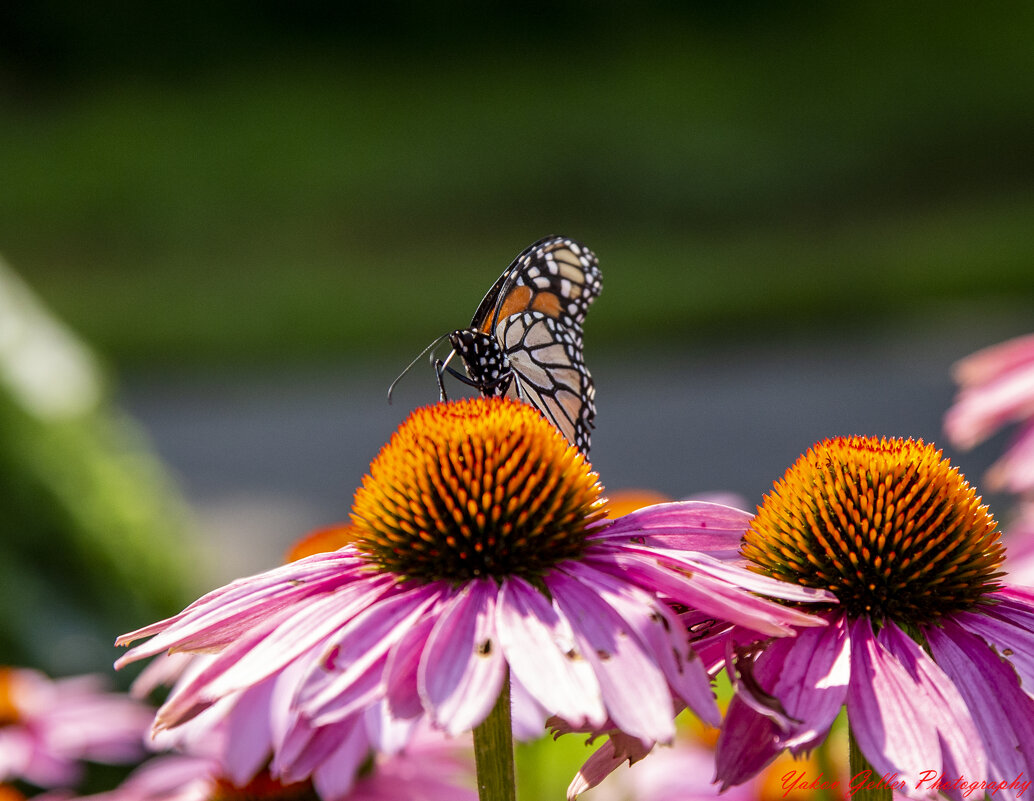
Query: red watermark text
[[927, 780]]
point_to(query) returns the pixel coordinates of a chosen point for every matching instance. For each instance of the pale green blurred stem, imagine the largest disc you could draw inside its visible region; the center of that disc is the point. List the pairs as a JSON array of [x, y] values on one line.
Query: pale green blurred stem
[[493, 751], [859, 766]]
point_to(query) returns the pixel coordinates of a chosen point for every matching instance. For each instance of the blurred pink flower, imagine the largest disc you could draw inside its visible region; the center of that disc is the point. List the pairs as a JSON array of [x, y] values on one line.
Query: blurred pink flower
[[1020, 564], [428, 770], [450, 587], [49, 727], [996, 387]]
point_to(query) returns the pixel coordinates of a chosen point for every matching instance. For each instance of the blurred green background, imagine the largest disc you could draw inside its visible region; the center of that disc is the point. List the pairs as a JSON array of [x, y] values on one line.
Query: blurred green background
[[225, 182]]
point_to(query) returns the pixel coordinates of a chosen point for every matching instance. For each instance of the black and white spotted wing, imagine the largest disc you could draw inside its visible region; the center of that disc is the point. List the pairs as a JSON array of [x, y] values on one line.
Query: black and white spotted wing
[[525, 339]]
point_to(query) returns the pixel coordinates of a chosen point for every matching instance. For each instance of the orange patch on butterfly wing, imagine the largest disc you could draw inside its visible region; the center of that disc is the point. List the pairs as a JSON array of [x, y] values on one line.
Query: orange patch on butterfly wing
[[515, 302], [547, 303]]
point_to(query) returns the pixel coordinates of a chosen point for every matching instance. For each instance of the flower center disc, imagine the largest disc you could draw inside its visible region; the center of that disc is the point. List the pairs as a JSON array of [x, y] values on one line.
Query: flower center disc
[[478, 487], [887, 525]]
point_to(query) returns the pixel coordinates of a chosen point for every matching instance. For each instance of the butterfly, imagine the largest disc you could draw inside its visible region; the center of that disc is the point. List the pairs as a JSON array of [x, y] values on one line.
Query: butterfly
[[525, 339]]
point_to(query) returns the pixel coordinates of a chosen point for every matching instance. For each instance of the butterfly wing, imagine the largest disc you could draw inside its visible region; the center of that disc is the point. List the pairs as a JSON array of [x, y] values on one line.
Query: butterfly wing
[[529, 325], [546, 358], [556, 276]]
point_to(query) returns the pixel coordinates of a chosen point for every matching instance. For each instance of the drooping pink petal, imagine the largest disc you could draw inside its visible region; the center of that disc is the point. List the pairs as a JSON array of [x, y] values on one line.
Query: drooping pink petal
[[223, 615], [1003, 714], [634, 689], [335, 775], [941, 701], [813, 679], [349, 656], [400, 670], [527, 715], [462, 668], [618, 749], [702, 564], [661, 634], [390, 736], [1009, 627], [539, 647], [887, 709], [365, 687], [803, 682], [684, 525], [249, 739], [306, 628], [192, 697], [716, 597], [334, 751], [747, 744]]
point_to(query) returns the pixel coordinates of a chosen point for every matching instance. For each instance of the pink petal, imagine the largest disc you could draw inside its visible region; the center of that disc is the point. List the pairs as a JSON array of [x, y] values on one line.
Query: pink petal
[[812, 683], [352, 659], [1003, 714], [1009, 627], [944, 706], [715, 597], [981, 409], [748, 742], [267, 647], [462, 670], [887, 711], [538, 645], [332, 756], [249, 741], [634, 689], [306, 628], [808, 675], [528, 716], [994, 361], [364, 688], [659, 631], [684, 525], [223, 615], [400, 671], [1014, 472], [193, 697], [618, 749]]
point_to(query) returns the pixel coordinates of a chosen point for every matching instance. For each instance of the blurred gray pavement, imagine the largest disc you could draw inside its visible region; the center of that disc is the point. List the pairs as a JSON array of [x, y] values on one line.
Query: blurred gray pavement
[[265, 457]]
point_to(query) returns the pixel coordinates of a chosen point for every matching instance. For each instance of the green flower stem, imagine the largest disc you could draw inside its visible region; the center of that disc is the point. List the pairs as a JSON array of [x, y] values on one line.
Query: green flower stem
[[871, 786], [493, 751]]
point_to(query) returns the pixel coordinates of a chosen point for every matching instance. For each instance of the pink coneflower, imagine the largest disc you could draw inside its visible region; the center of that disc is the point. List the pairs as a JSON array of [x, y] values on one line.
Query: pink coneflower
[[482, 552], [429, 770], [48, 728], [997, 388], [932, 656]]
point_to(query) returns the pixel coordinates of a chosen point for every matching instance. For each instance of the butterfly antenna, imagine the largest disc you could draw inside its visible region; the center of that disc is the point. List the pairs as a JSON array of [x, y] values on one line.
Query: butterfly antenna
[[412, 363]]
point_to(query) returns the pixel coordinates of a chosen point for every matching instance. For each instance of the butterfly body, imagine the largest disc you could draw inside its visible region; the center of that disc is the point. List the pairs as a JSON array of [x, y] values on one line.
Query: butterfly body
[[525, 339]]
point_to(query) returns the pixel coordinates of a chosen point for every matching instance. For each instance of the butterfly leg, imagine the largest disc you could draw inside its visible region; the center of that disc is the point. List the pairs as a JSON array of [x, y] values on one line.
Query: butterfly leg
[[439, 368], [442, 367]]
